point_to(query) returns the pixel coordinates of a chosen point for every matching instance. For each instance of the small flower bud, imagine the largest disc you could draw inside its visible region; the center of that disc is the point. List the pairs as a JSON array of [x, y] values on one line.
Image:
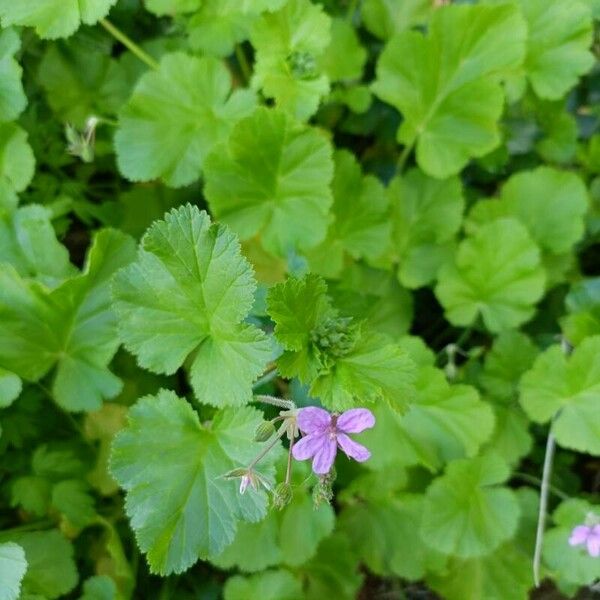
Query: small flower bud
[[264, 431], [282, 495]]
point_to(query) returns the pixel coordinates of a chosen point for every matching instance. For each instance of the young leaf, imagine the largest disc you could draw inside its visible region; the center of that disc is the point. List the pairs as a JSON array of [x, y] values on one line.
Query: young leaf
[[12, 95], [496, 273], [289, 44], [13, 566], [426, 215], [51, 571], [53, 18], [566, 390], [467, 513], [185, 297], [446, 84], [198, 517], [17, 163], [72, 327], [270, 585], [344, 58], [558, 45], [175, 116], [550, 203], [384, 18], [272, 178]]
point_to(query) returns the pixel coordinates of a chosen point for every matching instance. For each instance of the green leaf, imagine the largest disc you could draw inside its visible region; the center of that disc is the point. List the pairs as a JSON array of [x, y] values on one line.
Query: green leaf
[[13, 566], [288, 46], [12, 96], [566, 390], [550, 203], [558, 45], [51, 570], [583, 306], [80, 327], [361, 225], [99, 587], [10, 387], [175, 116], [198, 517], [567, 564], [17, 163], [384, 18], [467, 513], [511, 355], [270, 585], [272, 178], [446, 84], [172, 7], [426, 215], [32, 494], [53, 18], [511, 439], [503, 575], [496, 273], [185, 298], [28, 242], [344, 58], [72, 499]]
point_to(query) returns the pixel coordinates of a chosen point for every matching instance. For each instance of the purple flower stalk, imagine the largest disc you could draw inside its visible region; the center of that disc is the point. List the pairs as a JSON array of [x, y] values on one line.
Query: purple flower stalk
[[324, 432], [588, 535]]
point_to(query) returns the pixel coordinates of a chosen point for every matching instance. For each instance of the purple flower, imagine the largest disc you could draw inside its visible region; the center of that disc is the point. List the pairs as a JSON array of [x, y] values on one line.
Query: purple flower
[[324, 432], [588, 535]]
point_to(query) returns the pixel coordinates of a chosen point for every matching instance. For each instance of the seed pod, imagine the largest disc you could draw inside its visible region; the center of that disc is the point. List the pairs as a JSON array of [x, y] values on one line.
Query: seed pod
[[282, 495], [264, 431]]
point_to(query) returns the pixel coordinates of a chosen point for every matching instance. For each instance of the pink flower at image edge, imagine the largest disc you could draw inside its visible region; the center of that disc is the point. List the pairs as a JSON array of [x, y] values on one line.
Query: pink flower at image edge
[[324, 432], [588, 535]]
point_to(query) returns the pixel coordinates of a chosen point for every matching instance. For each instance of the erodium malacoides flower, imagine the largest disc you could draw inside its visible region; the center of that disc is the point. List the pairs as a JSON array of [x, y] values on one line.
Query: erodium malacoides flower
[[588, 535], [324, 432]]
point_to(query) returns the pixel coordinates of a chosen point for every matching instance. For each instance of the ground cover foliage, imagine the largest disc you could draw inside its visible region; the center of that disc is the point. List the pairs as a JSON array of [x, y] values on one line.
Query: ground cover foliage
[[217, 213]]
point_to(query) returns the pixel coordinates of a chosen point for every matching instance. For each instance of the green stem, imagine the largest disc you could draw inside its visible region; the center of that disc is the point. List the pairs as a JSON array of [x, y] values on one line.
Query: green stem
[[266, 378], [128, 43], [403, 158], [243, 63], [537, 482], [34, 526], [288, 472], [266, 450], [544, 489]]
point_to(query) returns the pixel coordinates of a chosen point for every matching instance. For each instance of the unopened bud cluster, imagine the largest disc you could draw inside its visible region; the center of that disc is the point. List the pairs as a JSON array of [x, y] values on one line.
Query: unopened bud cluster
[[336, 337]]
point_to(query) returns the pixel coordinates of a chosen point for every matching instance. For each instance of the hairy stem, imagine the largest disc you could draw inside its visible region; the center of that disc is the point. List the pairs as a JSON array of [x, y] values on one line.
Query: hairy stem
[[288, 472], [280, 402], [129, 43], [268, 448], [544, 490]]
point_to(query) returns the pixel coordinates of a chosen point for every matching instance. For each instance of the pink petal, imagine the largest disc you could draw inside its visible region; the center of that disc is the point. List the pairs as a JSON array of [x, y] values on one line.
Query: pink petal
[[579, 535], [593, 545], [356, 451], [313, 419], [309, 445], [355, 420], [324, 458]]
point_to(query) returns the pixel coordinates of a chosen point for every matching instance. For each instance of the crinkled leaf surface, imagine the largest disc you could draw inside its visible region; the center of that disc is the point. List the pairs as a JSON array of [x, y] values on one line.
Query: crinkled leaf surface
[[72, 327], [446, 84], [272, 178], [567, 390], [175, 116], [13, 566], [288, 45], [12, 95], [53, 18], [197, 518], [185, 297], [467, 513], [496, 273]]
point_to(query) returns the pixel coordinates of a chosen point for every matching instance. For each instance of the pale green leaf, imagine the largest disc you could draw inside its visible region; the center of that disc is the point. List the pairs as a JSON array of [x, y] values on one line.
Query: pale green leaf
[[51, 570], [583, 306], [496, 274], [186, 295], [12, 95], [446, 84], [175, 116], [198, 517], [270, 585], [172, 7], [566, 390], [17, 163], [467, 513], [53, 18], [384, 18], [511, 438], [558, 45], [272, 178], [10, 387], [344, 58], [13, 566], [99, 587], [289, 44]]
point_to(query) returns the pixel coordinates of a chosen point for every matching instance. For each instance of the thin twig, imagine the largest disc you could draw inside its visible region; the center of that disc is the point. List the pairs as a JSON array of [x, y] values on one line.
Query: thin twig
[[129, 43]]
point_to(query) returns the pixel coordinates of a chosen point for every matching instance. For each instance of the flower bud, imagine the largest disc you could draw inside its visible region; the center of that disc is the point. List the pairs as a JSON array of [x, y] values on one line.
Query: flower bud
[[264, 431], [282, 495]]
